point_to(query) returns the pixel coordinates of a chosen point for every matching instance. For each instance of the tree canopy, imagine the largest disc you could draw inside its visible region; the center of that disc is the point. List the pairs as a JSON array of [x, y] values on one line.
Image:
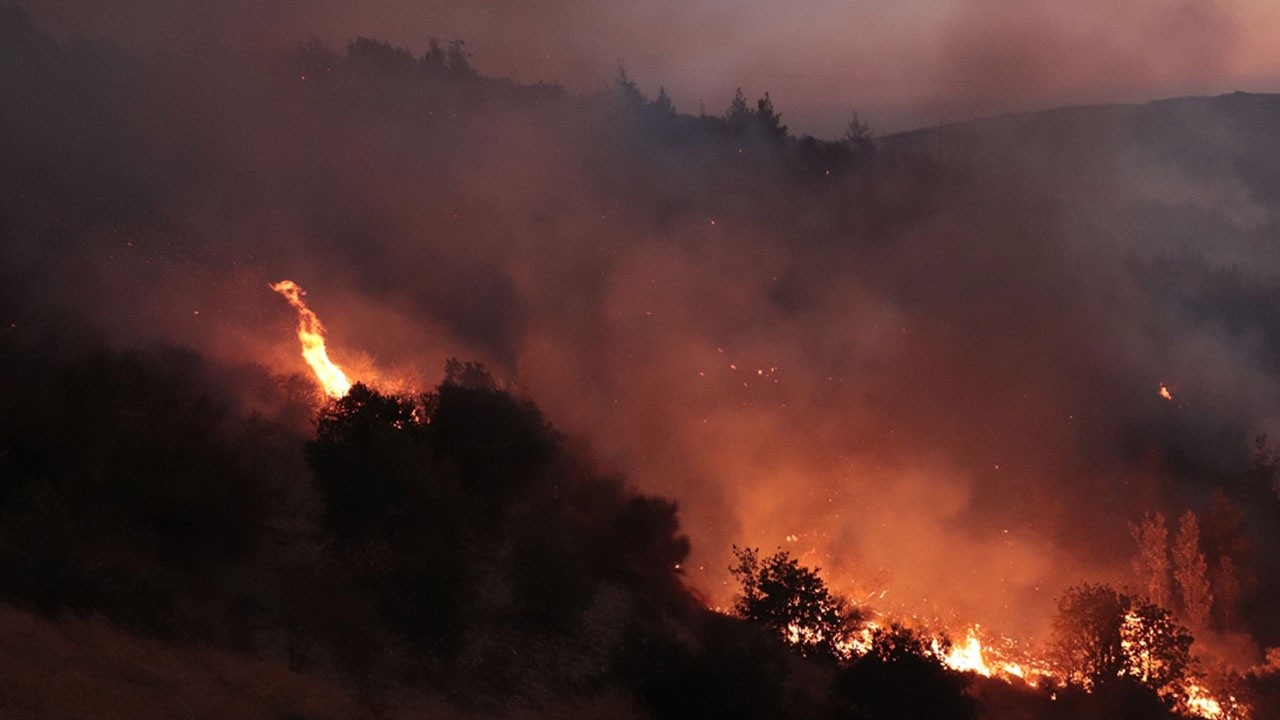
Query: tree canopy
[[901, 677], [792, 601], [1101, 636]]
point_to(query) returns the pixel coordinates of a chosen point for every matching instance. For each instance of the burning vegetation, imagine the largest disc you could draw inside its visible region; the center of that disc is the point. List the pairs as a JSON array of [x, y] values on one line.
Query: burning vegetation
[[1101, 639], [922, 362]]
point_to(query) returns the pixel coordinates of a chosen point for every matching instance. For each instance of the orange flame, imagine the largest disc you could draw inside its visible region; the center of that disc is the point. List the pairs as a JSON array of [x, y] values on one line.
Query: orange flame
[[1164, 392], [967, 656], [1009, 663], [1013, 663], [1202, 704], [311, 335], [1005, 660]]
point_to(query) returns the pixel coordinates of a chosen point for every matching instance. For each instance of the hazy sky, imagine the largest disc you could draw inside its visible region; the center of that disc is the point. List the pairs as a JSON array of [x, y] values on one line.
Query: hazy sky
[[902, 63]]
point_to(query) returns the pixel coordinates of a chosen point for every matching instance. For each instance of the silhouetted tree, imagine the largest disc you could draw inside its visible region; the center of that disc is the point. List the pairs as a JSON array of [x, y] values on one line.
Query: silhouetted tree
[[469, 375], [379, 57], [769, 120], [626, 88], [500, 445], [790, 600], [313, 61], [1086, 635], [1100, 636], [1157, 650], [370, 460], [762, 123], [645, 535], [663, 103], [738, 116], [458, 61], [434, 61], [857, 135], [901, 678], [404, 531]]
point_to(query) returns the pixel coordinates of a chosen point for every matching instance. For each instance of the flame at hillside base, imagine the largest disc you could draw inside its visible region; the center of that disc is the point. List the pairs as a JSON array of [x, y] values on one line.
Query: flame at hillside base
[[311, 334], [1010, 663]]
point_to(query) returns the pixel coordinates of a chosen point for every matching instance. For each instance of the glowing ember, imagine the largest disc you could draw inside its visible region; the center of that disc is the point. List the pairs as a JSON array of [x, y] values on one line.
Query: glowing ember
[[311, 335], [1164, 392]]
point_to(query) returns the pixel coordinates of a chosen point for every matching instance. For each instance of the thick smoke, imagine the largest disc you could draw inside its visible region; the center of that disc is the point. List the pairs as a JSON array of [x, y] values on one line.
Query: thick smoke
[[902, 64], [1001, 56], [937, 379]]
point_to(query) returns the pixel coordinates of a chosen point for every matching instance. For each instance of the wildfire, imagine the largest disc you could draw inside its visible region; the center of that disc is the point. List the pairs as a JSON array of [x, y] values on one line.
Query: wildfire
[[1164, 392], [311, 335], [967, 656], [1202, 704], [1006, 661]]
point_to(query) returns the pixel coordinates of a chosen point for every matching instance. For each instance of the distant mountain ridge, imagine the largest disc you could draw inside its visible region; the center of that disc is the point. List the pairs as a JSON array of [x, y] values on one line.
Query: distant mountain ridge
[[1236, 134]]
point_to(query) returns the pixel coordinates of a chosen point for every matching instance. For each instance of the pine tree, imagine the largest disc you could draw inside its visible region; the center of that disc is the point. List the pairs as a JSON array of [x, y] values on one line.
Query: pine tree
[[627, 89], [459, 61], [857, 135], [663, 102], [738, 115], [434, 60], [770, 120]]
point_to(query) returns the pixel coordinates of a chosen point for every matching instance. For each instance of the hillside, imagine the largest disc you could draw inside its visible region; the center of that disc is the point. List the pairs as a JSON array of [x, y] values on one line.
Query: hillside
[[69, 668], [1204, 140], [427, 384]]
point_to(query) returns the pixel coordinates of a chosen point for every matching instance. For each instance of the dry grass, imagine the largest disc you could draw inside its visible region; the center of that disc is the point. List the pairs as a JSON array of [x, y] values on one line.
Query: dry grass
[[75, 668], [72, 668]]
